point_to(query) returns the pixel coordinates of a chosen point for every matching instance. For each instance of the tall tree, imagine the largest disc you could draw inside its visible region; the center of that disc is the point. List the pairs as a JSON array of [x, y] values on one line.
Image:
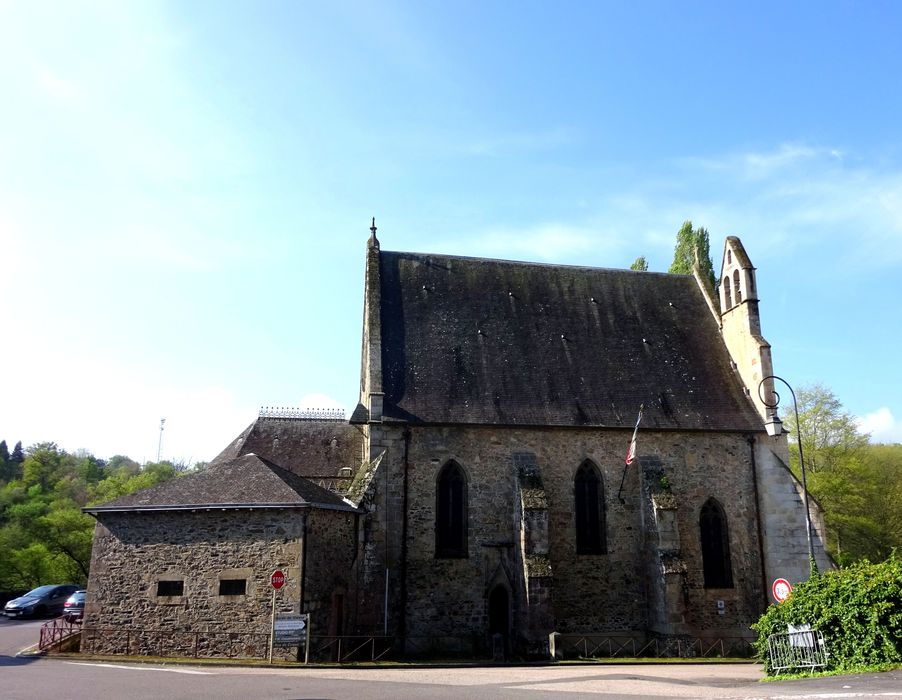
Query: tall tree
[[640, 264], [691, 245], [830, 435], [4, 461], [15, 461], [857, 491]]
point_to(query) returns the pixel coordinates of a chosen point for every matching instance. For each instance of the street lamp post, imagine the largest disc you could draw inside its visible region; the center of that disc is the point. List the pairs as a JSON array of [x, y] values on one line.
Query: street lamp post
[[774, 427]]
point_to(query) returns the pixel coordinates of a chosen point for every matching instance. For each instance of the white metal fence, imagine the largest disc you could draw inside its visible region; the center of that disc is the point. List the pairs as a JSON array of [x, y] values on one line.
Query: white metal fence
[[799, 648]]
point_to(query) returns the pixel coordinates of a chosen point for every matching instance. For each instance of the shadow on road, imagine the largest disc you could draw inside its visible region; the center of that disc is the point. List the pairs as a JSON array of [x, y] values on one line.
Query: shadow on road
[[17, 660]]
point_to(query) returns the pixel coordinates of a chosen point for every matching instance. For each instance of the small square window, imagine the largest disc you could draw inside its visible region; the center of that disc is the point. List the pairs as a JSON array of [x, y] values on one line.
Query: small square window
[[232, 586], [170, 588]]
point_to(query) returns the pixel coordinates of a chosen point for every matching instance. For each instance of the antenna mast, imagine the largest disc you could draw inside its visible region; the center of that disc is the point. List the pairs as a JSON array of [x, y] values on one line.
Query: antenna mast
[[160, 445]]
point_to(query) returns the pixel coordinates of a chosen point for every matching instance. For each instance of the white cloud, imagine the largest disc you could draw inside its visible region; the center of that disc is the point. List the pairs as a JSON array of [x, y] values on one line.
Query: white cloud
[[881, 425]]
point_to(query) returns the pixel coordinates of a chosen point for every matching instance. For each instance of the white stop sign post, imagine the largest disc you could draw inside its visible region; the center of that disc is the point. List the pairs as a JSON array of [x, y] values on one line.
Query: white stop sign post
[[781, 590], [276, 580]]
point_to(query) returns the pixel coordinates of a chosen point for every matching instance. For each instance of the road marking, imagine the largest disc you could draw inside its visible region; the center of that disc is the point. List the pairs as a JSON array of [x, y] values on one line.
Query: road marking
[[827, 696], [143, 668]]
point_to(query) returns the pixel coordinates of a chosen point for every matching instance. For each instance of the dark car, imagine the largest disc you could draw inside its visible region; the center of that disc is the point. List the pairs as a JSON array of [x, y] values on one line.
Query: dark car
[[42, 601], [74, 608]]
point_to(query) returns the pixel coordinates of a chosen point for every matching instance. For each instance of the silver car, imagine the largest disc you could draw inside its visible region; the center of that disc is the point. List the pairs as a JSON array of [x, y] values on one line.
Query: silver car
[[41, 602]]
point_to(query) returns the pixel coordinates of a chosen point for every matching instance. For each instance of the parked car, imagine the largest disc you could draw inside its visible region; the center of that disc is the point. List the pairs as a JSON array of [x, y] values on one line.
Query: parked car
[[74, 607], [42, 601]]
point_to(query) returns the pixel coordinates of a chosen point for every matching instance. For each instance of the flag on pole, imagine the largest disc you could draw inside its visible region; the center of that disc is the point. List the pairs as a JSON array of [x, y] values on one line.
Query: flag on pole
[[631, 452]]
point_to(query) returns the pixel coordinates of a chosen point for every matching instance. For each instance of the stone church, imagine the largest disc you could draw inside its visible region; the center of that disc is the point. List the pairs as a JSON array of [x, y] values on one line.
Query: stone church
[[477, 499]]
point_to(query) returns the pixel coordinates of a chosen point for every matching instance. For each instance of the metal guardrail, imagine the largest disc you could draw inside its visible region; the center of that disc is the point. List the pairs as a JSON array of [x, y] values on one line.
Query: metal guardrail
[[350, 649], [614, 646], [798, 649], [56, 631], [367, 648]]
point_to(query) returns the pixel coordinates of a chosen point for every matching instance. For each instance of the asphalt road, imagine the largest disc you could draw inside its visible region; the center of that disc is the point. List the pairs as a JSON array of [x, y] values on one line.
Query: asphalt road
[[16, 635], [79, 679]]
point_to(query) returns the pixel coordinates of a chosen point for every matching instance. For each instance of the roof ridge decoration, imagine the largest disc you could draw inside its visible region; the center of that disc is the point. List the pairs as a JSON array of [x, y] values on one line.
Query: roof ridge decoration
[[373, 242], [336, 415]]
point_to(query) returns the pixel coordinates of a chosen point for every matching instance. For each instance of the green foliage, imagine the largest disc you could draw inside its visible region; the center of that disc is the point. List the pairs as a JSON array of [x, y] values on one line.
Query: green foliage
[[640, 264], [858, 610], [830, 436], [44, 535], [858, 485], [693, 245]]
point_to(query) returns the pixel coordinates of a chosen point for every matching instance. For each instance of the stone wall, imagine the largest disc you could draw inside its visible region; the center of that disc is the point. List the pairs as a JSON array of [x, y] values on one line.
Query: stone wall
[[783, 519], [133, 552], [330, 585], [589, 593]]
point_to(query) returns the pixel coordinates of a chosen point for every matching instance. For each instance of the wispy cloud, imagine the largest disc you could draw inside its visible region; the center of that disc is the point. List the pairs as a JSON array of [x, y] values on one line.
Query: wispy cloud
[[755, 165], [794, 196]]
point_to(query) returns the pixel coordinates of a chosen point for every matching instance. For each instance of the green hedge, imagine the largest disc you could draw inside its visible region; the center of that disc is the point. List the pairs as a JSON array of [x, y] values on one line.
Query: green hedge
[[857, 609]]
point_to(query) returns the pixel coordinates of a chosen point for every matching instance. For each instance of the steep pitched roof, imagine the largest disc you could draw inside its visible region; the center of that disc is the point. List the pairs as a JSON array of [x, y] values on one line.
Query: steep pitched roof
[[478, 341], [742, 258], [310, 448], [246, 482]]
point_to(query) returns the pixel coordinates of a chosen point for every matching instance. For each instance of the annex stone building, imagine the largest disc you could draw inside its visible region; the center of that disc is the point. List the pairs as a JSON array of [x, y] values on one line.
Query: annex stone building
[[477, 501]]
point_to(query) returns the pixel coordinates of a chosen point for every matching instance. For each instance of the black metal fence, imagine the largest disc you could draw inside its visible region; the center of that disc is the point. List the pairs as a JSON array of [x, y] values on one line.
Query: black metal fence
[[623, 646], [55, 632], [368, 648]]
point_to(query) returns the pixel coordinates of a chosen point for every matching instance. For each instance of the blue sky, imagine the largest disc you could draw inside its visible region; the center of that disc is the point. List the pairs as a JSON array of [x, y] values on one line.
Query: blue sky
[[186, 188]]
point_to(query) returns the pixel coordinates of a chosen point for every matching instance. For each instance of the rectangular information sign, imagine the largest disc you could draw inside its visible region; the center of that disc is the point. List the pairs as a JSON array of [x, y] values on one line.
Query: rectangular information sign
[[290, 630]]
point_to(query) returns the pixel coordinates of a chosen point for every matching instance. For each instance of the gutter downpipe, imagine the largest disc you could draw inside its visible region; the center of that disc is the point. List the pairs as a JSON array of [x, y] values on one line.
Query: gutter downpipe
[[304, 543], [751, 441], [304, 562], [402, 622]]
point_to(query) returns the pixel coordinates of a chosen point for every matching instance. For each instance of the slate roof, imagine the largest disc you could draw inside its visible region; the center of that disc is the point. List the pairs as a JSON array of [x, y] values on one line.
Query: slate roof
[[248, 481], [495, 342], [310, 448]]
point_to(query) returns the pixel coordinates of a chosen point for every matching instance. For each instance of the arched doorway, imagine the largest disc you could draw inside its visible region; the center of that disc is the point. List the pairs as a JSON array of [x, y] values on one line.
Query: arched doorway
[[499, 620]]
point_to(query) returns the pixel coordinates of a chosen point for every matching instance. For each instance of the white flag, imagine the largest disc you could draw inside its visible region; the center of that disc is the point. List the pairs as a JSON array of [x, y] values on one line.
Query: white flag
[[631, 452]]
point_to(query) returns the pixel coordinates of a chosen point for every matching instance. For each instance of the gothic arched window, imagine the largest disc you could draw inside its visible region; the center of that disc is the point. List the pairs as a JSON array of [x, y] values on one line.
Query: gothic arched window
[[736, 289], [451, 513], [589, 509], [726, 291], [715, 546]]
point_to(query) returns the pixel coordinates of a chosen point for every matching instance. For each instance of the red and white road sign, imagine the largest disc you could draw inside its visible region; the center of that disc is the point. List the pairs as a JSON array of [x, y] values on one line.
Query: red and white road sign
[[277, 579], [781, 590]]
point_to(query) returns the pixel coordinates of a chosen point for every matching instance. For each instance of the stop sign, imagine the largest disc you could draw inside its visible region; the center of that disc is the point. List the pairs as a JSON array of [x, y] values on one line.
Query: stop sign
[[277, 579]]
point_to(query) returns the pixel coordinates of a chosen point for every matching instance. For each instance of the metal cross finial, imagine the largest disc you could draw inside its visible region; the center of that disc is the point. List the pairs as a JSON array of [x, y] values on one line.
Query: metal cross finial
[[373, 227]]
